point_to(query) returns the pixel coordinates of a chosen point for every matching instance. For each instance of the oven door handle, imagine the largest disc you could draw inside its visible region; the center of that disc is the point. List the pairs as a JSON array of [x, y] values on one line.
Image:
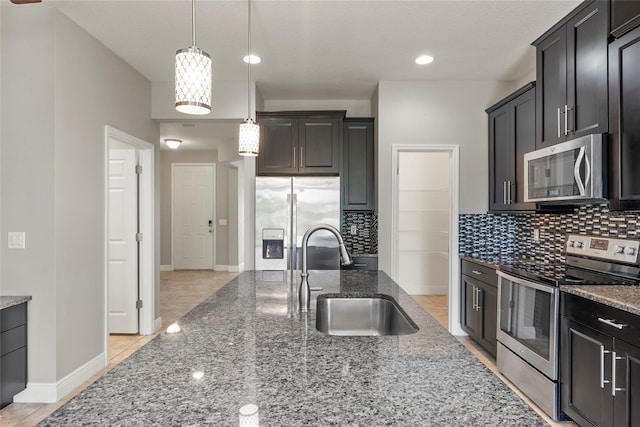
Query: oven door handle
[[550, 289], [576, 171]]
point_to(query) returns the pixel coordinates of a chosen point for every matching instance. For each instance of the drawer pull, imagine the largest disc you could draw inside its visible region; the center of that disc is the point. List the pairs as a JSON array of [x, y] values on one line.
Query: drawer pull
[[359, 264], [612, 322], [479, 273]]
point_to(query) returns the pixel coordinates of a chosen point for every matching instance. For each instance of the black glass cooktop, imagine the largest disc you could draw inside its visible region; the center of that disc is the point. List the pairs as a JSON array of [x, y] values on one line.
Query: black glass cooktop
[[562, 274]]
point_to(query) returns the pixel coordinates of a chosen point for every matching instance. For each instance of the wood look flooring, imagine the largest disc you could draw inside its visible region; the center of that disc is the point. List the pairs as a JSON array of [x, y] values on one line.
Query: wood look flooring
[[181, 291]]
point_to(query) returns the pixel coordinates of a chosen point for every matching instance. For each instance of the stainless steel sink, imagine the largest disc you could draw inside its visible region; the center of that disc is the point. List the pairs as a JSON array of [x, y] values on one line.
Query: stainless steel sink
[[362, 316]]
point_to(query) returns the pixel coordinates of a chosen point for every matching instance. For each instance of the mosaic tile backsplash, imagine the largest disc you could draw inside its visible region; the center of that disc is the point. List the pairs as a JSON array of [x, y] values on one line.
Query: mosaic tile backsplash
[[365, 241], [493, 235]]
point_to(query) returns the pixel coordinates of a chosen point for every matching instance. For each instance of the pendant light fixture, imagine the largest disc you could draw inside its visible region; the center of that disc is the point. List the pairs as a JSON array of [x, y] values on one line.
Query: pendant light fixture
[[249, 141], [193, 75]]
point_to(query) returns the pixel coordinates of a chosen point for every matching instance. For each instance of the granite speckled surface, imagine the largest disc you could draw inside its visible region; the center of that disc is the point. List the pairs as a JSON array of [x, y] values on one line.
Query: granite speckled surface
[[253, 347], [625, 298], [10, 301]]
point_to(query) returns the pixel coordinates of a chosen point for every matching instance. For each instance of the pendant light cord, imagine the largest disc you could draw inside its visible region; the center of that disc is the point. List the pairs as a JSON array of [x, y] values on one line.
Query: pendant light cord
[[193, 22], [249, 60]]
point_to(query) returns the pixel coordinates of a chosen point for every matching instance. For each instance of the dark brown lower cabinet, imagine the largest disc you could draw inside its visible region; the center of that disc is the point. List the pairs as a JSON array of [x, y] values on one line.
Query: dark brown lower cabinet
[[479, 304], [13, 352], [600, 371]]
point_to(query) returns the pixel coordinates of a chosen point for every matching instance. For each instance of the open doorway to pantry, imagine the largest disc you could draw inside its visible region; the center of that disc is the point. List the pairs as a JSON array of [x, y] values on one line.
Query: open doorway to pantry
[[425, 193], [124, 150]]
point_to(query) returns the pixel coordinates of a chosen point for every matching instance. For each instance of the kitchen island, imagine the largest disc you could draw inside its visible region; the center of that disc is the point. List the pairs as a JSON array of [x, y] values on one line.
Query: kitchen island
[[248, 345]]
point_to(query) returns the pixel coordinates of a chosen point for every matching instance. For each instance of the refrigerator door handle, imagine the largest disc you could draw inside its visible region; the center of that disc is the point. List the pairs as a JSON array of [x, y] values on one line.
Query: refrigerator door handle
[[294, 233]]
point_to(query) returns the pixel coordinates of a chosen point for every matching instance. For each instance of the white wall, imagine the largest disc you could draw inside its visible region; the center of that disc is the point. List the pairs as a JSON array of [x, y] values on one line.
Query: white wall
[[53, 178], [354, 107], [528, 77], [435, 112]]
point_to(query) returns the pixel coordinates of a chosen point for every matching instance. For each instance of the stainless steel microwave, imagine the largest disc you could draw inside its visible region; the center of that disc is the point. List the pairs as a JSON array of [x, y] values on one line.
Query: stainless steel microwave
[[570, 171]]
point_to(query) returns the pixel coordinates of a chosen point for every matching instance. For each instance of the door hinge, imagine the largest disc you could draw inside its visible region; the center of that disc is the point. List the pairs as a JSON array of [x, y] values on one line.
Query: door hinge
[[139, 303], [138, 237], [138, 169]]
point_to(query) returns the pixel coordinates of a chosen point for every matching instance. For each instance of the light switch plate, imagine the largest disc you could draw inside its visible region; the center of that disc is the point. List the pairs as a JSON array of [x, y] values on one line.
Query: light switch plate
[[16, 239], [354, 230], [222, 221]]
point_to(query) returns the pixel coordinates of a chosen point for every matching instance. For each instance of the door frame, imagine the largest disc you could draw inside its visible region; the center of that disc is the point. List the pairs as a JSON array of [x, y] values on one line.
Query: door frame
[[454, 210], [146, 153], [214, 207]]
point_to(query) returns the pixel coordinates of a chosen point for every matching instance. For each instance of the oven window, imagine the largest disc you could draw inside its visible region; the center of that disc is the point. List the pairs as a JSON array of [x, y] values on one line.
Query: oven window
[[552, 176], [527, 316]]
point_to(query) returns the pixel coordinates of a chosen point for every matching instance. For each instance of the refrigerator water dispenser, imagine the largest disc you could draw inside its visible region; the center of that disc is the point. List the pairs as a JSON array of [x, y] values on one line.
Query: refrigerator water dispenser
[[273, 243]]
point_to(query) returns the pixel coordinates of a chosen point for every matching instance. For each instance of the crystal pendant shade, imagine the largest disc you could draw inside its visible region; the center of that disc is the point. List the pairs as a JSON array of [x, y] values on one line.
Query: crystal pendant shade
[[249, 144], [193, 81]]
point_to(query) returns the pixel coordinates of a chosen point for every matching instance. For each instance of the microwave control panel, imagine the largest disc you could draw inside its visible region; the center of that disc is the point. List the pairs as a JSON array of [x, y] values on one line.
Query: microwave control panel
[[609, 248]]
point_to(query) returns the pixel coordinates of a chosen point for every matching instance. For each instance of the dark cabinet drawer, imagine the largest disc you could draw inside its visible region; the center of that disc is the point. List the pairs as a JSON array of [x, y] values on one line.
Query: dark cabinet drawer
[[13, 375], [13, 316], [13, 339], [363, 263], [480, 272], [601, 317]]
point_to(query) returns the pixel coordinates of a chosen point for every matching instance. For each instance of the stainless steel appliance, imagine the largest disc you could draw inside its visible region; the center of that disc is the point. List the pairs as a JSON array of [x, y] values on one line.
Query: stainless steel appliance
[[569, 171], [528, 311], [285, 208]]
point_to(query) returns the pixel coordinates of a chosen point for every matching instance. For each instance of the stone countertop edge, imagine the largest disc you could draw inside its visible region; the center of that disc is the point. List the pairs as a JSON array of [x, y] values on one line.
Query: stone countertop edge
[[252, 346], [492, 262], [10, 301], [623, 297]]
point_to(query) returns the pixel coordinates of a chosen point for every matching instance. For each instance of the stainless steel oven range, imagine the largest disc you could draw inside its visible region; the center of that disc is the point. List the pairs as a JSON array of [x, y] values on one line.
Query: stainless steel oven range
[[528, 309]]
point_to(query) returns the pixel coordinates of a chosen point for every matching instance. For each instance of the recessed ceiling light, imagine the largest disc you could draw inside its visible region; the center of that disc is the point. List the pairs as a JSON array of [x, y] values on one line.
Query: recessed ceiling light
[[424, 59], [255, 59]]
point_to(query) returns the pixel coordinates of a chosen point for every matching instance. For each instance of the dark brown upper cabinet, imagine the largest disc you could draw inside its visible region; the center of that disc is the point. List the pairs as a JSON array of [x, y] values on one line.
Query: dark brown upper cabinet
[[624, 120], [625, 16], [571, 85], [512, 132], [299, 142], [357, 176]]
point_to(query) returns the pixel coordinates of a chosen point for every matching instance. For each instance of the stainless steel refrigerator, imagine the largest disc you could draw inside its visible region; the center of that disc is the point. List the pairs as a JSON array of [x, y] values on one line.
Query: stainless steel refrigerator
[[285, 208]]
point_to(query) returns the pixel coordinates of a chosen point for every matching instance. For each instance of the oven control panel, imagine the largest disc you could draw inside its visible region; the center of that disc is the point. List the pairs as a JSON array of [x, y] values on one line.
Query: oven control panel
[[609, 248]]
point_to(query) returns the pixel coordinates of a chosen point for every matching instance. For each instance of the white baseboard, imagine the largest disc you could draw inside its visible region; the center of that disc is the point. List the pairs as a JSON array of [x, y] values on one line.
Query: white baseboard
[[221, 268], [52, 392], [157, 324], [166, 267], [236, 268]]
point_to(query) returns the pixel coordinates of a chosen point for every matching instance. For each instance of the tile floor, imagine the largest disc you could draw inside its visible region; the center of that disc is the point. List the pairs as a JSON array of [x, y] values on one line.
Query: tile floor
[[180, 292]]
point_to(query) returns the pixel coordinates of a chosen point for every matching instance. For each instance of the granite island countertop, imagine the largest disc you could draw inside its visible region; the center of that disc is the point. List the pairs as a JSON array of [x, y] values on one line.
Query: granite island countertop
[[250, 345], [10, 301]]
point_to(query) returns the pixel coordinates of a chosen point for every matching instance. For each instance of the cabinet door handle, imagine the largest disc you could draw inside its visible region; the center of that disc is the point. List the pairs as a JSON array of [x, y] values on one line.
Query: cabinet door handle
[[295, 159], [509, 199], [504, 192], [479, 273], [602, 353], [612, 322], [479, 291], [614, 358], [474, 298], [559, 131], [566, 119], [301, 156]]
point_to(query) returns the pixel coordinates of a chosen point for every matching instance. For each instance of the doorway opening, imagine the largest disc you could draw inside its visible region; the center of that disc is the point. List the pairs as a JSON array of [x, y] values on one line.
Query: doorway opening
[[129, 234], [425, 193]]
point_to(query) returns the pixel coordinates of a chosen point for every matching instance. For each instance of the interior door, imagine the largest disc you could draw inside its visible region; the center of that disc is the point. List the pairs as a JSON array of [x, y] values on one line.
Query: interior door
[[193, 196], [123, 247], [423, 222]]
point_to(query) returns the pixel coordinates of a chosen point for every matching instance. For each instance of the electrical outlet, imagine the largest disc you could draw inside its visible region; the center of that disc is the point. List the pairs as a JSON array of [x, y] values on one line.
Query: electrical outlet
[[354, 230], [536, 234]]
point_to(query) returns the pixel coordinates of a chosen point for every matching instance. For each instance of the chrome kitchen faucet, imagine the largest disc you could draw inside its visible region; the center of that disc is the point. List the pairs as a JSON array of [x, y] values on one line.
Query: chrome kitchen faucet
[[304, 293]]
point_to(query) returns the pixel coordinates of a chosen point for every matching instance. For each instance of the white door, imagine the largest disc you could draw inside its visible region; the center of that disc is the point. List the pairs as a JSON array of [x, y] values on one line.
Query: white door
[[423, 222], [193, 217], [123, 247]]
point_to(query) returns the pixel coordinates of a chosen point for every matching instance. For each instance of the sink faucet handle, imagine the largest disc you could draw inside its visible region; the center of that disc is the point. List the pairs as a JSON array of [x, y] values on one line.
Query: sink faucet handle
[[345, 258]]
